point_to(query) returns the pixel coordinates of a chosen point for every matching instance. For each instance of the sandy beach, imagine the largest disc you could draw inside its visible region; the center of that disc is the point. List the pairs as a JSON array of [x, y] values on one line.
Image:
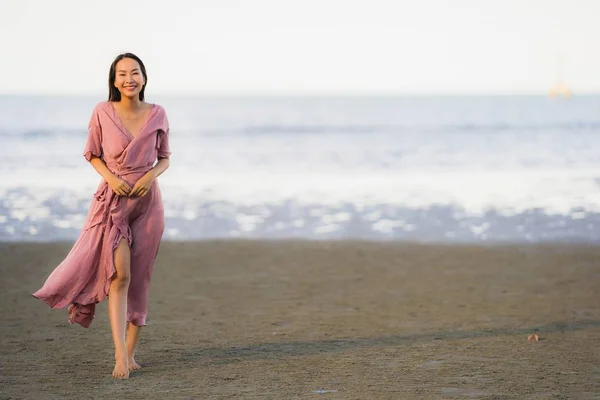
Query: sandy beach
[[322, 320]]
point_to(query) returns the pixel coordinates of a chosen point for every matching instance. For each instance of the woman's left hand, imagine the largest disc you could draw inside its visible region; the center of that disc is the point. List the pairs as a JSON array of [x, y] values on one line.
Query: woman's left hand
[[142, 186]]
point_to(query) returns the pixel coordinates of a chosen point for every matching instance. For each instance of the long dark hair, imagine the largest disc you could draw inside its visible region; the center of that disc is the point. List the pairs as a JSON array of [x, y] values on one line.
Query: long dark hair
[[113, 92]]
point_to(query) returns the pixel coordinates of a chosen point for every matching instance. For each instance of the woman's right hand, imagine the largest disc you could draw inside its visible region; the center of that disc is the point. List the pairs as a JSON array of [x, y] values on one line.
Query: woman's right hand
[[119, 186]]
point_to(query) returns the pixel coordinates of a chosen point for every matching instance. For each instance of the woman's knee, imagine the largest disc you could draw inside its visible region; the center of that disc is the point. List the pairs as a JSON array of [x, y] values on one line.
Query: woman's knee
[[122, 264], [122, 278]]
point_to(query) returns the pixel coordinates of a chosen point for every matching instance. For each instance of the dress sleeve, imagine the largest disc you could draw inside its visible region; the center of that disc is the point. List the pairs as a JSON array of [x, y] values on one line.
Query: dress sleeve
[[162, 145], [93, 145]]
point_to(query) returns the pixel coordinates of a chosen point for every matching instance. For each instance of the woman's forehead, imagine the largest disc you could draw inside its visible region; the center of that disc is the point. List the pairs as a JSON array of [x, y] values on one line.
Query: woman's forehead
[[127, 64]]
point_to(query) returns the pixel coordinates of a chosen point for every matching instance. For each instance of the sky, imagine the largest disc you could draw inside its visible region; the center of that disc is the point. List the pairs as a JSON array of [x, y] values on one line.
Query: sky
[[310, 47]]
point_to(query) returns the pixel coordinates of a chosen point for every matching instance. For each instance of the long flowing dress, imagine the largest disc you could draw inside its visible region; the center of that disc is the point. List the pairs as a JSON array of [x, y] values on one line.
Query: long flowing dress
[[83, 278]]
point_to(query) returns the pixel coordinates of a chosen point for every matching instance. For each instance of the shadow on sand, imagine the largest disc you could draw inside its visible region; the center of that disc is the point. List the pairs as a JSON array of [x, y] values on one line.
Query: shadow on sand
[[232, 354]]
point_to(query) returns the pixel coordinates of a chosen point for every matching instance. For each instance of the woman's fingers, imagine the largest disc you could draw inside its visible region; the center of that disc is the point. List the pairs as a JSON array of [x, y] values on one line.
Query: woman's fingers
[[138, 191], [125, 189], [120, 187]]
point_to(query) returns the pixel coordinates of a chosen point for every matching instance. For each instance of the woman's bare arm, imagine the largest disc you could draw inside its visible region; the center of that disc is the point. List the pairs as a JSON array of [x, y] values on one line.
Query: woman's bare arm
[[118, 185], [101, 168], [143, 185], [160, 167]]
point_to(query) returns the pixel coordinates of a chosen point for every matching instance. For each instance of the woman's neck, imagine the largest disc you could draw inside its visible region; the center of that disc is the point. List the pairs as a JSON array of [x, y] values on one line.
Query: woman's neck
[[130, 104]]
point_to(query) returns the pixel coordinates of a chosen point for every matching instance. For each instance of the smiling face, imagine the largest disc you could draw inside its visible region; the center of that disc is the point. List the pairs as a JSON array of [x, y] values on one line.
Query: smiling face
[[129, 79]]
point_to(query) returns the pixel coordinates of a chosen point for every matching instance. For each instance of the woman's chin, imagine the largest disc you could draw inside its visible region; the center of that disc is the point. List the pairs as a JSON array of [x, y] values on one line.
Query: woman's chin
[[130, 95]]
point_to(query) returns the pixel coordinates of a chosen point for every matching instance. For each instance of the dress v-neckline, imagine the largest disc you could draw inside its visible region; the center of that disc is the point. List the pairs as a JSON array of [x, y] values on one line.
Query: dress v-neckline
[[124, 128]]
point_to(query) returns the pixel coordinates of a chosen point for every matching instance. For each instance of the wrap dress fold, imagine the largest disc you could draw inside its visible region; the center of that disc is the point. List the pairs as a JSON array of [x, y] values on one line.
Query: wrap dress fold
[[83, 278]]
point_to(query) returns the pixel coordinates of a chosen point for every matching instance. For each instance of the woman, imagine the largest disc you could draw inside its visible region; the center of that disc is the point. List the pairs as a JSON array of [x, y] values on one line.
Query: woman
[[115, 252]]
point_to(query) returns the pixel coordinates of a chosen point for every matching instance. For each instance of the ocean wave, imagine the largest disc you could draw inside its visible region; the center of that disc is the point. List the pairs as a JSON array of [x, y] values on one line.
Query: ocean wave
[[327, 167], [37, 134], [354, 129], [437, 223], [27, 214], [403, 129]]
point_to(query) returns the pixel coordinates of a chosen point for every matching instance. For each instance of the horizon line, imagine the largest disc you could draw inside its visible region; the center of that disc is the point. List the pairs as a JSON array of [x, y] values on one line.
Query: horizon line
[[303, 94]]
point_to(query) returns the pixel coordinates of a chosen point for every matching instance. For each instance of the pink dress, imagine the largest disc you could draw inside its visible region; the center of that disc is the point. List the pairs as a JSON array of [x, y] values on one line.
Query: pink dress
[[83, 278]]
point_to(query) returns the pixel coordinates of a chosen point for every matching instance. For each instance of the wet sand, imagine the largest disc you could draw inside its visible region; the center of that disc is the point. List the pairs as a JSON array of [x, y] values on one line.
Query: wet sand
[[287, 319]]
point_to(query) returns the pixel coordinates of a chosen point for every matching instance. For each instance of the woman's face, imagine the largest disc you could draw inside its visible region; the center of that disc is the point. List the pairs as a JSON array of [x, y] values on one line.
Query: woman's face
[[128, 78]]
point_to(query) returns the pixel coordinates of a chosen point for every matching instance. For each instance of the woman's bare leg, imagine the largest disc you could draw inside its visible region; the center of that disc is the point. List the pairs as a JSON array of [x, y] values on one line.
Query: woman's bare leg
[[133, 335], [117, 308]]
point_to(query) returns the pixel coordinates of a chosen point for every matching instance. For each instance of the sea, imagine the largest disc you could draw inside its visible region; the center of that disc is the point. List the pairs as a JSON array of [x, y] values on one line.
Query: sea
[[441, 169]]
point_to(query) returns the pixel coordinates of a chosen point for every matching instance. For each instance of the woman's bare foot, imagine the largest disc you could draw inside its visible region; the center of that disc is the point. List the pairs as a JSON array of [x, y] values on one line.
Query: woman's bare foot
[[121, 370], [133, 366]]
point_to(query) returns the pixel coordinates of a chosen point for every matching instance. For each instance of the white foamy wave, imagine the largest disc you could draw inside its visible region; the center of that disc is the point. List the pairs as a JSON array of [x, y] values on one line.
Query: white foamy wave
[[523, 205]]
